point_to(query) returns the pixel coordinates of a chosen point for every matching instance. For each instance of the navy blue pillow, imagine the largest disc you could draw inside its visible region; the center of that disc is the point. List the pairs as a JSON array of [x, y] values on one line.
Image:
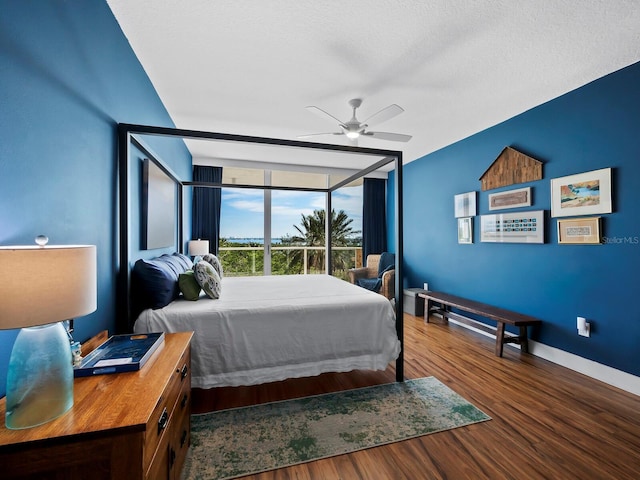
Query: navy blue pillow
[[154, 283]]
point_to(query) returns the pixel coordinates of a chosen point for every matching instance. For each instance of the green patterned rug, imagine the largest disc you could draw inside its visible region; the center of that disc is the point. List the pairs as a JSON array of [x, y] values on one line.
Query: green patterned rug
[[242, 441]]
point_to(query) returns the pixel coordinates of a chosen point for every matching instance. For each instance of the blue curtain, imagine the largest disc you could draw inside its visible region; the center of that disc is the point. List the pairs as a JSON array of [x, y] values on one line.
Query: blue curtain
[[374, 217], [205, 224]]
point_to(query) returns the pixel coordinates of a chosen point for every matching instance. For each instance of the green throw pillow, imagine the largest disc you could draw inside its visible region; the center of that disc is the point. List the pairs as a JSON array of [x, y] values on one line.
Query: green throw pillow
[[189, 285]]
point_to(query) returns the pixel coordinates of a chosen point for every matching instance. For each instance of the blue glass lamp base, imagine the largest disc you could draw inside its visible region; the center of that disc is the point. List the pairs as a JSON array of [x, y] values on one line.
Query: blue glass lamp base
[[40, 376]]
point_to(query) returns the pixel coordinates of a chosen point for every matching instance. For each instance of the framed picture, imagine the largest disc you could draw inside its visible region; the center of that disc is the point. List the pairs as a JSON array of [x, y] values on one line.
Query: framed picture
[[510, 199], [465, 204], [583, 231], [581, 194], [521, 227], [465, 230]]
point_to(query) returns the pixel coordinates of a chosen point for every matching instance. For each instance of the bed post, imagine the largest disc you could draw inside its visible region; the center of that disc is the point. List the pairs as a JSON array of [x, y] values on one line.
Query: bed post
[[399, 275], [327, 235], [122, 263]]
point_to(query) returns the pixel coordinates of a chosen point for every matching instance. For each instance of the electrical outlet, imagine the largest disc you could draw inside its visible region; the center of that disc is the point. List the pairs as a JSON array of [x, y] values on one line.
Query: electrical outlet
[[584, 327]]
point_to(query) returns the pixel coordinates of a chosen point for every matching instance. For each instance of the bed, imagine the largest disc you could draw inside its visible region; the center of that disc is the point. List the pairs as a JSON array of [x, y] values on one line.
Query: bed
[[374, 328], [265, 329]]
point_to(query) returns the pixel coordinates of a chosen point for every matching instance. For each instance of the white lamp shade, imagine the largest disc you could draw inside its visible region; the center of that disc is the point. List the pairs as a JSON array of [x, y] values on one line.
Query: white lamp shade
[[198, 247], [40, 285]]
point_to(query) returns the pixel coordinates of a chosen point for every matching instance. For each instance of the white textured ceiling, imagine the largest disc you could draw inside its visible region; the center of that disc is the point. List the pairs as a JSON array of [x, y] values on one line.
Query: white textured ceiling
[[455, 66]]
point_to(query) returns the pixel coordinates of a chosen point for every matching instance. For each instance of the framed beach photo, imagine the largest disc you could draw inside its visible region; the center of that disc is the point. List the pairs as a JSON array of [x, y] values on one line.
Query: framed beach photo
[[581, 194], [465, 230], [579, 231], [465, 204]]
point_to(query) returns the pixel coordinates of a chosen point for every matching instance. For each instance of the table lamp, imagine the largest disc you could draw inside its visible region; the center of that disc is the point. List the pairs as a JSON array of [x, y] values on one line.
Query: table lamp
[[39, 287], [198, 247]]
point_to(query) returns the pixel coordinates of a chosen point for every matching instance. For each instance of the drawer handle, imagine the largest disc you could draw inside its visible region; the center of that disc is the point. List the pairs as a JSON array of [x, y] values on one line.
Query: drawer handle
[[164, 420], [183, 371], [183, 403], [183, 438], [172, 457]]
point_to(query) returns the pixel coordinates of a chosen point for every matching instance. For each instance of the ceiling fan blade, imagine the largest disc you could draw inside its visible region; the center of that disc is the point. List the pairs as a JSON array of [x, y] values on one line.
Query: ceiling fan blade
[[322, 113], [384, 114], [309, 135], [394, 137]]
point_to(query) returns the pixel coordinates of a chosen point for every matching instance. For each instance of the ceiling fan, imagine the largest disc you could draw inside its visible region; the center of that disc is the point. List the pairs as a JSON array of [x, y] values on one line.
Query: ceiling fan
[[354, 129]]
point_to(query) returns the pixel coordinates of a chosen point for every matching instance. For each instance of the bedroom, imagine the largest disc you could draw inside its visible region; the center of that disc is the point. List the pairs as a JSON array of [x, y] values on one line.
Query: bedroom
[[68, 76]]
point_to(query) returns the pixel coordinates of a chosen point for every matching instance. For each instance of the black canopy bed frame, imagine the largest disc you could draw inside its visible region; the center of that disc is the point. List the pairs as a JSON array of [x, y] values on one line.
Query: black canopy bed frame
[[132, 135]]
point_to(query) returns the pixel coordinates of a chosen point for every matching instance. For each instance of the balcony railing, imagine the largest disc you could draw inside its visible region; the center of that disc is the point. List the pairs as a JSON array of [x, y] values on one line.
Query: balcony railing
[[288, 260]]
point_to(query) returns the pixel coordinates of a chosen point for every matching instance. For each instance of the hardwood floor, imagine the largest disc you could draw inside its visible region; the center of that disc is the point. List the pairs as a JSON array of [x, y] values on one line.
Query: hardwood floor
[[548, 422]]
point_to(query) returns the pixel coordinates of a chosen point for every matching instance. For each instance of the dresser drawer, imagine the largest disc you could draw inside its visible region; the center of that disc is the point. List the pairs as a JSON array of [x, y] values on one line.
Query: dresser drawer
[[180, 434], [175, 398], [178, 386], [174, 442]]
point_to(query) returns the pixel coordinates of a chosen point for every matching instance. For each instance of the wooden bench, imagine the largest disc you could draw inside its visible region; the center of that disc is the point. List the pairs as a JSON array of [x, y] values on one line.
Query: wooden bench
[[500, 315]]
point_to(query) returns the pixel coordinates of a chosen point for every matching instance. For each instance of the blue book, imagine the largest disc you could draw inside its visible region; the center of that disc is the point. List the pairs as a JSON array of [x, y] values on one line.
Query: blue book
[[120, 353]]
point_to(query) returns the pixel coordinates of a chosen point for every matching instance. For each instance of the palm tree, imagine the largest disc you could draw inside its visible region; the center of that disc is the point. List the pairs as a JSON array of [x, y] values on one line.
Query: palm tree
[[312, 234]]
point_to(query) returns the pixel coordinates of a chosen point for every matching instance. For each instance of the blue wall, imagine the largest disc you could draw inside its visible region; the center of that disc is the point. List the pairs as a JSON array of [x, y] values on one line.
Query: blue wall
[[590, 128], [67, 77]]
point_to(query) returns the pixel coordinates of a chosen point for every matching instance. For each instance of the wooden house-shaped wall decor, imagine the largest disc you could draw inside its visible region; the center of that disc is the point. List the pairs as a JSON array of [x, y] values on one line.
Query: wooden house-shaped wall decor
[[509, 168]]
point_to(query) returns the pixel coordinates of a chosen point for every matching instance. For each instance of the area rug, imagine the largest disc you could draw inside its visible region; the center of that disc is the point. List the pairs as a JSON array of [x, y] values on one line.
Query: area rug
[[241, 441]]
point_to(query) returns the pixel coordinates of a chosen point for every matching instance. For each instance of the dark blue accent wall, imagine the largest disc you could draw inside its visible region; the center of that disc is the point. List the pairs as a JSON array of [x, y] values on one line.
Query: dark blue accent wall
[[68, 76], [593, 127]]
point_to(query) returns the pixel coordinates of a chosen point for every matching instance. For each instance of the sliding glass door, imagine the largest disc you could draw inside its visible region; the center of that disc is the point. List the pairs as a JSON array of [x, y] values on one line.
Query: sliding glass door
[[277, 231], [241, 246], [298, 244]]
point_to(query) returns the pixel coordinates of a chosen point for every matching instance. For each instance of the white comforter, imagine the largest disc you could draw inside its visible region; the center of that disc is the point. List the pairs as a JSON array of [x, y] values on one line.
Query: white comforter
[[265, 329]]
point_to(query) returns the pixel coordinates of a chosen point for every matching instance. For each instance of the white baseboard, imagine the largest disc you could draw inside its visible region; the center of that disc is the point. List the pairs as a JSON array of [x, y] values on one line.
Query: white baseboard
[[617, 378], [611, 376]]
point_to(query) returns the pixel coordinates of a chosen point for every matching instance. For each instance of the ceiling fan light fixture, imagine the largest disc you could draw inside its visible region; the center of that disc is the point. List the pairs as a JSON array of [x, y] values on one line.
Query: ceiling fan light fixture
[[352, 135], [354, 129]]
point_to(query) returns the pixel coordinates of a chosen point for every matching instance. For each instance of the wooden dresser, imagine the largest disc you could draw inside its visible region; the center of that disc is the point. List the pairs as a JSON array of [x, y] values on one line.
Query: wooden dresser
[[133, 425]]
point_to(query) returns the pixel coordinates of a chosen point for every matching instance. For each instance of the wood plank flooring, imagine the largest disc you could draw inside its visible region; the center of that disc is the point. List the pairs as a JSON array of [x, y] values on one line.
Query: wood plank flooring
[[548, 422]]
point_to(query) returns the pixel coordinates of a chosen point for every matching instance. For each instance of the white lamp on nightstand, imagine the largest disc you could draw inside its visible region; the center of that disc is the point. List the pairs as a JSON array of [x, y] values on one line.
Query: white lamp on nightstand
[[198, 247], [39, 287]]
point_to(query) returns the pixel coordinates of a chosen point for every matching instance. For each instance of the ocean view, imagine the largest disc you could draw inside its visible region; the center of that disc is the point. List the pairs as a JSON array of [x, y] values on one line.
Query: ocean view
[[259, 240]]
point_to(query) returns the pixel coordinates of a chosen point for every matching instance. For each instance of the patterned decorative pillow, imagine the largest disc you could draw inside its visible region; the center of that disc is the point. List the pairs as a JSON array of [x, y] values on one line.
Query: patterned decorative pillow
[[208, 278], [189, 285], [214, 261]]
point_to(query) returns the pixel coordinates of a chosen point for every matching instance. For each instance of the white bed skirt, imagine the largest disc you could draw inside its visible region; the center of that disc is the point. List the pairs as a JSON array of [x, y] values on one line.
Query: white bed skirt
[[266, 329]]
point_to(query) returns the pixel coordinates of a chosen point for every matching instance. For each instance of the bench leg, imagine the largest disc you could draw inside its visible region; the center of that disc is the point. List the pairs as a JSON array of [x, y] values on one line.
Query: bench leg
[[444, 310], [523, 340], [499, 339], [427, 310]]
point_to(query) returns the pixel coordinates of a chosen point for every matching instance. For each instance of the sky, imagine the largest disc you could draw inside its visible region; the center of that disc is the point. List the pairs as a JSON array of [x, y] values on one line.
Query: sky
[[242, 210]]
